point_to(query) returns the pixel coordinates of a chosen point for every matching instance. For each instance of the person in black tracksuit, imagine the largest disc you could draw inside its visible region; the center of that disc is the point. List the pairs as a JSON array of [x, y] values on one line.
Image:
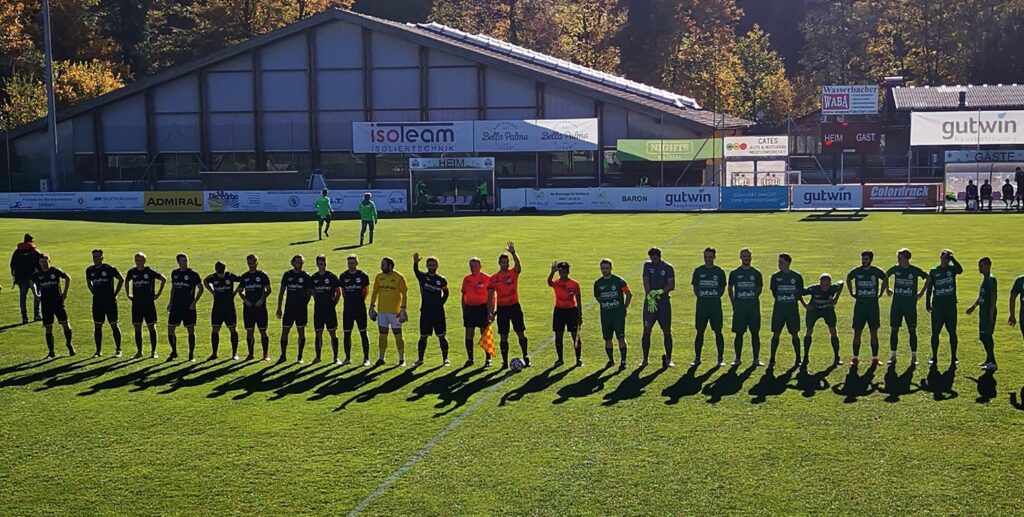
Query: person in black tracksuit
[[433, 295], [355, 286], [46, 285], [138, 282], [295, 283], [222, 284], [25, 262]]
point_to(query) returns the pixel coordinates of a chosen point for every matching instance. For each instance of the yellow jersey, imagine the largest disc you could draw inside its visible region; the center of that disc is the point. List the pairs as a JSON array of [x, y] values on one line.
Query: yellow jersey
[[389, 290]]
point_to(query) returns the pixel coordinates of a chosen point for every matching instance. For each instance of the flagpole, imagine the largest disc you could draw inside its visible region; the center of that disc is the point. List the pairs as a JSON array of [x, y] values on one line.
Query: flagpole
[[51, 110]]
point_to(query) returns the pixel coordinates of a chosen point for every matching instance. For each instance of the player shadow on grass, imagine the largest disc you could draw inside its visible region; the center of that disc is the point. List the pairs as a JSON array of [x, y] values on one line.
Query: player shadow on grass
[[212, 371], [770, 385], [442, 384], [688, 385], [460, 396], [25, 380], [173, 374], [320, 373], [896, 385], [27, 365], [102, 367], [986, 387], [406, 376], [729, 383], [536, 384], [631, 387], [246, 383], [353, 382], [809, 384], [287, 374], [10, 326], [127, 379], [300, 243], [1017, 402], [587, 386], [856, 386], [348, 247], [940, 384]]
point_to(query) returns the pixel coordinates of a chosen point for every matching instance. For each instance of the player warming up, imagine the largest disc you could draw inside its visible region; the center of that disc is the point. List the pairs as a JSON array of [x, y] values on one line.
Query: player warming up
[[99, 278], [941, 303], [295, 284], [708, 286], [139, 287], [613, 295], [863, 284], [433, 295], [222, 284], [659, 281], [787, 287], [904, 302], [323, 215], [355, 288], [254, 288], [45, 283], [390, 291], [367, 217], [182, 307], [568, 313], [1017, 294], [745, 285], [476, 308], [508, 312], [822, 305], [986, 307], [326, 295]]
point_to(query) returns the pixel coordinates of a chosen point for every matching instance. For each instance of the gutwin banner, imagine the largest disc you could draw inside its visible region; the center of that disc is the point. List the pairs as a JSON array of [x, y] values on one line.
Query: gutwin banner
[[299, 200], [817, 197], [967, 128], [755, 198], [902, 195], [618, 199]]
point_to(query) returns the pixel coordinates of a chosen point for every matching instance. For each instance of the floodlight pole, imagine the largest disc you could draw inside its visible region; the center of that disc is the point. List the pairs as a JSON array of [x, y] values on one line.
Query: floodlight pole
[[51, 109]]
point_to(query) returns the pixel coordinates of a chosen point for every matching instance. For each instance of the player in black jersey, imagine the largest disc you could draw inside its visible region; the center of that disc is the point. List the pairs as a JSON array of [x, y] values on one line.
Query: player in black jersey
[[222, 284], [254, 288], [326, 295], [182, 306], [433, 295], [355, 287], [45, 283], [139, 287], [99, 278], [294, 283]]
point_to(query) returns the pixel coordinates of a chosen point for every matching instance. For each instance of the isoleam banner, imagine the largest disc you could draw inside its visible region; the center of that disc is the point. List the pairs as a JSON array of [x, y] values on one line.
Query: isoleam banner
[[484, 136], [967, 128], [755, 146], [817, 197]]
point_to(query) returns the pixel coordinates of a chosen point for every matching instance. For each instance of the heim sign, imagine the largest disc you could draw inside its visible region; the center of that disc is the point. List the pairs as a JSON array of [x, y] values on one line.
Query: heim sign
[[967, 128]]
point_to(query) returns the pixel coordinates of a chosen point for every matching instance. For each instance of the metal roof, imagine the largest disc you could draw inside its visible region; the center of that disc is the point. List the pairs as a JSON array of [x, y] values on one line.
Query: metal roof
[[938, 98]]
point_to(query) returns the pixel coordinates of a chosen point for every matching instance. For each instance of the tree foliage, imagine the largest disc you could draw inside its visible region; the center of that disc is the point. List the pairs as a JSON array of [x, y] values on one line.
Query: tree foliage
[[73, 82]]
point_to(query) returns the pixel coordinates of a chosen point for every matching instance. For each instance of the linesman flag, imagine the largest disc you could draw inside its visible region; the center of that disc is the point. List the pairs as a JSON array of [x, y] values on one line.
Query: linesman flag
[[487, 341]]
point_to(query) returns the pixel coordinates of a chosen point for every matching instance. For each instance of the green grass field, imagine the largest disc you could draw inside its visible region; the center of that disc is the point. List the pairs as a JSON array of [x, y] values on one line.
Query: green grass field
[[104, 436]]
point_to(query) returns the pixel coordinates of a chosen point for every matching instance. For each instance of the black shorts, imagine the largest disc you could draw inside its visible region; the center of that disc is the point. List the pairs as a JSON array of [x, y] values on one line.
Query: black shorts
[[223, 315], [433, 322], [475, 316], [510, 316], [52, 311], [565, 319], [353, 315], [104, 310], [144, 312], [325, 317], [297, 315], [255, 317], [662, 315], [326, 218], [181, 315]]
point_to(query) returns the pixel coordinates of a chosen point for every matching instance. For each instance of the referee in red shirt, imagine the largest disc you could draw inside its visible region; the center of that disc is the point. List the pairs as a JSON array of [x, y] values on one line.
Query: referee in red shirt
[[568, 314], [476, 309], [505, 285]]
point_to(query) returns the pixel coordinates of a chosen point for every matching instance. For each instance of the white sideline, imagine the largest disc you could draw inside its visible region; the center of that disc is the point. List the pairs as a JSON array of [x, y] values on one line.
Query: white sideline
[[415, 458]]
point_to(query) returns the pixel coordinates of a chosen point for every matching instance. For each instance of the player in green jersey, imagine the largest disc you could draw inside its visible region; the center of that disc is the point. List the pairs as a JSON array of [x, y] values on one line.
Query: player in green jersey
[[822, 305], [904, 295], [745, 285], [786, 286], [1017, 292], [986, 305], [941, 303], [863, 283], [612, 293], [323, 215], [709, 286]]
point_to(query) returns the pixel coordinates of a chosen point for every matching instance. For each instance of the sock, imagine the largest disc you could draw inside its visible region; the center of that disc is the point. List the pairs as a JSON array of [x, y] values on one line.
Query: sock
[[444, 347], [913, 341], [97, 336], [953, 342], [382, 345], [400, 345], [622, 353], [284, 347], [524, 347], [116, 331], [421, 348], [138, 340], [835, 346], [559, 347], [366, 343], [234, 343], [755, 345], [874, 347], [611, 353], [504, 351], [152, 340], [173, 341], [774, 347], [737, 345], [265, 343], [698, 345], [49, 341], [935, 342], [469, 349], [894, 340], [302, 344], [990, 353], [577, 349], [334, 348], [191, 344], [318, 344], [67, 339], [856, 347], [668, 346], [348, 344], [720, 343], [645, 346], [796, 346], [250, 343], [807, 347], [214, 341]]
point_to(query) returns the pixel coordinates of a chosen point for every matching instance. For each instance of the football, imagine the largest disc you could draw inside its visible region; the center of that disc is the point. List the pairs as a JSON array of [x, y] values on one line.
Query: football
[[516, 364]]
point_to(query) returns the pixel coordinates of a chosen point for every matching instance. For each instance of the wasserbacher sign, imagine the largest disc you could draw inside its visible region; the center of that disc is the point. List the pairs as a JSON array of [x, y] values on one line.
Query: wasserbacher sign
[[475, 136], [967, 128]]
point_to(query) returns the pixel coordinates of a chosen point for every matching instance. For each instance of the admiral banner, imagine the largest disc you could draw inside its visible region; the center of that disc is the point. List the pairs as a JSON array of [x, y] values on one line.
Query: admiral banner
[[535, 135], [827, 196], [902, 196], [849, 100], [173, 201], [754, 146]]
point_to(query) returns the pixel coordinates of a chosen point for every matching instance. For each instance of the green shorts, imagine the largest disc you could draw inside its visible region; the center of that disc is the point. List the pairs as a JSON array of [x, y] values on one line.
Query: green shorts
[[898, 313], [813, 315], [944, 315], [786, 316], [708, 314], [746, 316], [866, 313], [613, 323]]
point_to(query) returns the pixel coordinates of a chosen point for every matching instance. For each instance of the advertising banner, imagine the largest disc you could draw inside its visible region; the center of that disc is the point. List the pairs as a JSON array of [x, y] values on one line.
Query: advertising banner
[[827, 196], [902, 196], [5, 204], [535, 135], [860, 137], [561, 199], [113, 201], [1016, 155], [412, 137], [174, 201], [623, 199], [849, 100], [418, 164], [668, 150], [755, 198], [233, 201], [46, 201], [302, 200], [967, 128], [754, 146], [687, 199]]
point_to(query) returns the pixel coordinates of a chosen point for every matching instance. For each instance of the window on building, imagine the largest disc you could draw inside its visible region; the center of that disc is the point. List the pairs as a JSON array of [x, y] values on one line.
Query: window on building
[[85, 167], [289, 161], [177, 166], [575, 164], [233, 162], [507, 165], [392, 165], [343, 165], [125, 167]]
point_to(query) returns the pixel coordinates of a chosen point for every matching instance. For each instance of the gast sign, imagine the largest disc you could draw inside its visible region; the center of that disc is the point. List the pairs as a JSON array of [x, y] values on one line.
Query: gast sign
[[860, 137]]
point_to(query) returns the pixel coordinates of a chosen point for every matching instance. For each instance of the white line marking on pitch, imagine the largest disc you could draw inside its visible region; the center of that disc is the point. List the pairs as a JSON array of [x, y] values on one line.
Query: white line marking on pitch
[[415, 458]]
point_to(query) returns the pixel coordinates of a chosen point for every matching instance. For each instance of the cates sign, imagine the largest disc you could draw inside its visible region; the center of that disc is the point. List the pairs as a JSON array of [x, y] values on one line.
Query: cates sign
[[752, 146], [967, 128]]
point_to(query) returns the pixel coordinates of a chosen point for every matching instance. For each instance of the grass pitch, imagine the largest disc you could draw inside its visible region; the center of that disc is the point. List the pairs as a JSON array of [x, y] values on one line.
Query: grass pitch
[[105, 436]]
